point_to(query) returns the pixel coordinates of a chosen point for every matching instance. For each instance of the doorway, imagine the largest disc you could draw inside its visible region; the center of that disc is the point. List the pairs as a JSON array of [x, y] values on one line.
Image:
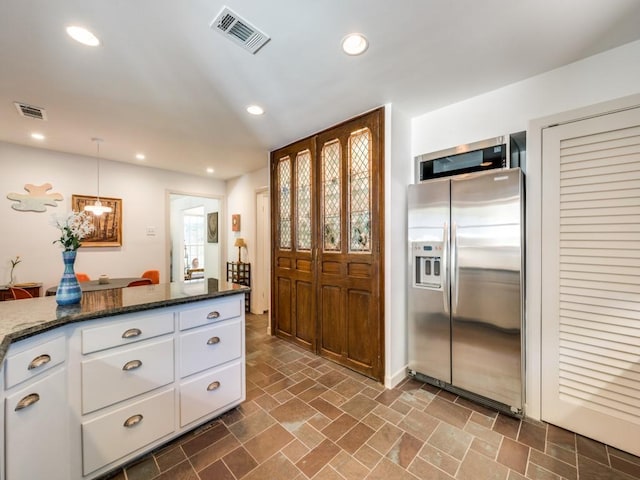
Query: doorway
[[261, 283], [194, 246]]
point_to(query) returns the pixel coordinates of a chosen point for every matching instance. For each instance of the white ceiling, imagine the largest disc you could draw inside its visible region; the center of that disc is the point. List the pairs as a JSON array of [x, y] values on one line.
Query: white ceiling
[[164, 83]]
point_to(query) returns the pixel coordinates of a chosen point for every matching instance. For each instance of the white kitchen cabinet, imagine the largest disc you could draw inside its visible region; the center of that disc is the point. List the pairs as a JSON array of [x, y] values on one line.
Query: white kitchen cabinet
[[104, 391], [211, 360], [112, 436], [2, 437], [207, 347], [162, 372], [211, 312], [36, 410], [210, 392], [33, 357], [125, 372], [126, 386], [133, 328]]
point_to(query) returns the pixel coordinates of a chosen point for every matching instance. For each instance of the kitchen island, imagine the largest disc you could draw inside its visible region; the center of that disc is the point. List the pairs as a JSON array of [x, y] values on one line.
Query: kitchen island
[[89, 387]]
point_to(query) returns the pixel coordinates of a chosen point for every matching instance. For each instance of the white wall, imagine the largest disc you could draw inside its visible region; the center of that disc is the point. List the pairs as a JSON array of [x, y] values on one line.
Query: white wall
[[241, 199], [596, 79], [397, 173], [143, 193], [603, 77]]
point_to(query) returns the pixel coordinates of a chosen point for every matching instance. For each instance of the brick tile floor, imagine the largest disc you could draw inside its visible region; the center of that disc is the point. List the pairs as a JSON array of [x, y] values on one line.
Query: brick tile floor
[[308, 418]]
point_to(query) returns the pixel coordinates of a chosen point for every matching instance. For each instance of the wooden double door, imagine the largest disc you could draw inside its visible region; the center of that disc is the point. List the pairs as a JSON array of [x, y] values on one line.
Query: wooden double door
[[327, 243]]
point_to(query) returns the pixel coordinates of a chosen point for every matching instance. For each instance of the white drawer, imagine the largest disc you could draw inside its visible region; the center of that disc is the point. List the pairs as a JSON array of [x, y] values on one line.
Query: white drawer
[[33, 357], [37, 429], [212, 312], [210, 346], [211, 391], [106, 439], [128, 372], [124, 332]]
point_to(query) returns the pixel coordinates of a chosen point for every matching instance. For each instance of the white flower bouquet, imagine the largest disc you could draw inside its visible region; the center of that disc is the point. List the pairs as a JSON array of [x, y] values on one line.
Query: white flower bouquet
[[73, 228]]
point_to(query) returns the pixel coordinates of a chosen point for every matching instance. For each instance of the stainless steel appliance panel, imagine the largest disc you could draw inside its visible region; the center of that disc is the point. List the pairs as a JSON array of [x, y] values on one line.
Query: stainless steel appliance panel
[[429, 317], [486, 284]]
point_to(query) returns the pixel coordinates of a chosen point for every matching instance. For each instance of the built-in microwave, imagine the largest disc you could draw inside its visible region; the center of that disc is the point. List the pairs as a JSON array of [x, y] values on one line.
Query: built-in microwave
[[506, 151]]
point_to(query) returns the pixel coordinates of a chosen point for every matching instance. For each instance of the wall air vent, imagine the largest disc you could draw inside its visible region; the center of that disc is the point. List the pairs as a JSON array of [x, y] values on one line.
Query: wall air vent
[[30, 111], [237, 29]]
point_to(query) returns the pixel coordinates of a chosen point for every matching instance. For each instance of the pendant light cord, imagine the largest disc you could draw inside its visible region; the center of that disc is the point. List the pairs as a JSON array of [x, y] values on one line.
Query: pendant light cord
[[97, 208], [97, 140]]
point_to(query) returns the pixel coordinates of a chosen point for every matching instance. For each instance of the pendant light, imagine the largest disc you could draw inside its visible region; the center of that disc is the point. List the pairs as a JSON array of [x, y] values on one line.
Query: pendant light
[[97, 208]]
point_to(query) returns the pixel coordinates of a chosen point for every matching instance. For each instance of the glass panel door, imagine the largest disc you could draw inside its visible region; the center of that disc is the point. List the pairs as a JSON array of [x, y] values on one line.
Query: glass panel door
[[303, 201], [331, 198], [360, 191], [284, 190]]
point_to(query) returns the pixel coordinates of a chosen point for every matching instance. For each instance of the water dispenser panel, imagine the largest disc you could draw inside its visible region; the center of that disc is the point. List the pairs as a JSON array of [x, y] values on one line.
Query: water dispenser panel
[[427, 264]]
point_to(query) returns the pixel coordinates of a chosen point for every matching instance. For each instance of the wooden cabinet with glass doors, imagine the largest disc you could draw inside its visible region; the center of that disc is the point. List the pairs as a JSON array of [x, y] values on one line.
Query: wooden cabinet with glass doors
[[327, 261]]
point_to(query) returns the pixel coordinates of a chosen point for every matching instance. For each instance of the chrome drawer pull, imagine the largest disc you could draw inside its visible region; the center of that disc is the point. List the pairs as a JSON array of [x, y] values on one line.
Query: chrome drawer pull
[[213, 340], [213, 386], [132, 365], [213, 315], [131, 333], [27, 401], [39, 361], [132, 421]]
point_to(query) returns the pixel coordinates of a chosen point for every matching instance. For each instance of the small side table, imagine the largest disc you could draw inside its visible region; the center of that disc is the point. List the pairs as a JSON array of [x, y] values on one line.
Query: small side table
[[240, 273], [33, 288]]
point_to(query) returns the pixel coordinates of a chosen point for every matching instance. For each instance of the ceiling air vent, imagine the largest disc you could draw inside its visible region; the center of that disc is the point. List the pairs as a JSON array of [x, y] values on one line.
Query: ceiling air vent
[[229, 24], [30, 111]]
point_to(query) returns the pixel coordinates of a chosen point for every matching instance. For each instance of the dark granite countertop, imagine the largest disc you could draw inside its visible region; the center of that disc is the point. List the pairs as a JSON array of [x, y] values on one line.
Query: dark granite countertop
[[24, 318]]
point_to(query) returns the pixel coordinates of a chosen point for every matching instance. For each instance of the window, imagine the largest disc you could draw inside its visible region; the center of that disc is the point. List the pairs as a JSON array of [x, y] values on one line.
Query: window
[[194, 235]]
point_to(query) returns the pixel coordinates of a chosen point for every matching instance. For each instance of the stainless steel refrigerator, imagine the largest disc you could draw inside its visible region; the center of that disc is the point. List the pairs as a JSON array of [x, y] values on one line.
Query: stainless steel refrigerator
[[466, 285]]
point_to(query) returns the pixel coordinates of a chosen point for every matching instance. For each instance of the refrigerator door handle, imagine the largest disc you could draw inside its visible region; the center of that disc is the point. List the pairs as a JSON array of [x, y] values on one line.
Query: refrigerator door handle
[[454, 268], [444, 270]]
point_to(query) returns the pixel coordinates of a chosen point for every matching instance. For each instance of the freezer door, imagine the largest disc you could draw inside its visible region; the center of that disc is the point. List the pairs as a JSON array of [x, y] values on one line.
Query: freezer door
[[486, 285], [429, 322]]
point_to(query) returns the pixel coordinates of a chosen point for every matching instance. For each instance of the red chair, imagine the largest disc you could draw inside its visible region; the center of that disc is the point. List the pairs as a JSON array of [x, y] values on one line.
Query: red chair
[[83, 277], [138, 283], [19, 293], [153, 275]]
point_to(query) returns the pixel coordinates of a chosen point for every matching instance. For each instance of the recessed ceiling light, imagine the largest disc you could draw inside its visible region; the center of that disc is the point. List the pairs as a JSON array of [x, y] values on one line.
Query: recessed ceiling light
[[82, 35], [37, 136], [140, 156], [255, 110], [354, 44], [210, 170]]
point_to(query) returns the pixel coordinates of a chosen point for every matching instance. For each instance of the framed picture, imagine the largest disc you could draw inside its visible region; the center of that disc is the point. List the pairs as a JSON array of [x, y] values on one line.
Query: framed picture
[[212, 227], [107, 227], [235, 222]]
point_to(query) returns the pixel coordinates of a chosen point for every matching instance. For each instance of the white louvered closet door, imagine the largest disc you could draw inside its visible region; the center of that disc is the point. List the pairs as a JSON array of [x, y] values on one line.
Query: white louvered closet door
[[591, 278]]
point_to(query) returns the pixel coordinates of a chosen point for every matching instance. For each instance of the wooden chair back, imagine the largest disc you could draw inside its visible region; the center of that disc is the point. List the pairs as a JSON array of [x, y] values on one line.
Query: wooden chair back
[[138, 283], [19, 293]]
